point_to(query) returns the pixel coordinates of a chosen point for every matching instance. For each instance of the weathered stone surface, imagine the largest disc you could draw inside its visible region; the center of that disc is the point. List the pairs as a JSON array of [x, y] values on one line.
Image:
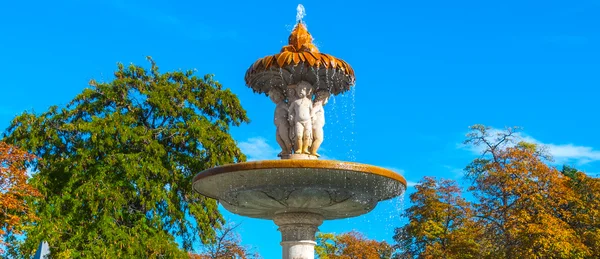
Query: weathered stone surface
[[298, 231], [333, 189]]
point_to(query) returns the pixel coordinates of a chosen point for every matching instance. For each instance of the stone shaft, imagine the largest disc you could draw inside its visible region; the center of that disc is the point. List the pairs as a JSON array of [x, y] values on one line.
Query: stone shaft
[[298, 231]]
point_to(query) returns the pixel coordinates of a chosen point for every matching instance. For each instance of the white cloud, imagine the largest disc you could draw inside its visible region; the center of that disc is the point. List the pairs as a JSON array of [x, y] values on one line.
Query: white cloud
[[572, 153], [562, 153], [257, 148]]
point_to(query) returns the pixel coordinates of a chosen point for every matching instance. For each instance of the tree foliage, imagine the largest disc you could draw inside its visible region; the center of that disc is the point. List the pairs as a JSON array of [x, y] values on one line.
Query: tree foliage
[[521, 199], [585, 209], [351, 245], [522, 207], [16, 195], [118, 161], [440, 223], [226, 246]]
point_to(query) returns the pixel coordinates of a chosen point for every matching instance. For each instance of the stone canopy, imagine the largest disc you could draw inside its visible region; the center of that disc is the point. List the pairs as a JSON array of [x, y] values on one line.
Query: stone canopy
[[300, 61]]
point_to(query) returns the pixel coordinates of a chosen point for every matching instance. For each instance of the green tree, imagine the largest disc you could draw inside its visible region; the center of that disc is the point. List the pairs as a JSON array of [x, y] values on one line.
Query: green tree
[[117, 164], [520, 199], [351, 245], [440, 223]]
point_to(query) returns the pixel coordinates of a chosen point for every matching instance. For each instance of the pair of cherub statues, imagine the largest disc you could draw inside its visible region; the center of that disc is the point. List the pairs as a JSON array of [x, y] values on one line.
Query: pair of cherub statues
[[300, 120]]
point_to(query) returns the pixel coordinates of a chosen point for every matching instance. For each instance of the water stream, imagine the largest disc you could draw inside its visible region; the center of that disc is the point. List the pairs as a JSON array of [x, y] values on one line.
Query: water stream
[[300, 13]]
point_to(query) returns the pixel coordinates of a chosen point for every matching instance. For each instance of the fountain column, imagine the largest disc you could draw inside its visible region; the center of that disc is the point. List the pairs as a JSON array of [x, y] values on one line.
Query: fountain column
[[298, 231]]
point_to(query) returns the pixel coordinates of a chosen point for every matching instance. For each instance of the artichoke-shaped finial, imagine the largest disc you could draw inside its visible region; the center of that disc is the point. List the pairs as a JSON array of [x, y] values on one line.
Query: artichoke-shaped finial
[[300, 40]]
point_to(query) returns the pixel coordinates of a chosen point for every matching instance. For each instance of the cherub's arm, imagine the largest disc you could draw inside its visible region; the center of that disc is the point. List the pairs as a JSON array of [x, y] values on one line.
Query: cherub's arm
[[315, 108]]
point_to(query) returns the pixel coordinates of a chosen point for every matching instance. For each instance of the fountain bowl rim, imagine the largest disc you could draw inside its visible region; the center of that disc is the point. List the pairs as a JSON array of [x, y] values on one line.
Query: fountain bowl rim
[[301, 163]]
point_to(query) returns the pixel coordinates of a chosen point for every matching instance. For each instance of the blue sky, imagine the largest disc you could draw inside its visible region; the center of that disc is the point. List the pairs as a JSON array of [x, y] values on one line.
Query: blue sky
[[426, 70]]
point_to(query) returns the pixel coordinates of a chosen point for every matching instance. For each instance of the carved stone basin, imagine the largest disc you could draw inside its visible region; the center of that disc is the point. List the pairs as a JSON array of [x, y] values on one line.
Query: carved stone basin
[[332, 189]]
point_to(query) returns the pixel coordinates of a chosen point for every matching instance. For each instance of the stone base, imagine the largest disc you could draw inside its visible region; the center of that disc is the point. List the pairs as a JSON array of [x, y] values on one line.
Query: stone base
[[298, 231], [299, 156]]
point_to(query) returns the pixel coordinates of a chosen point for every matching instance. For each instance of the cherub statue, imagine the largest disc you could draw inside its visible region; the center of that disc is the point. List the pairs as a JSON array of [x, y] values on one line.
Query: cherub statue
[[300, 115], [318, 120], [281, 121]]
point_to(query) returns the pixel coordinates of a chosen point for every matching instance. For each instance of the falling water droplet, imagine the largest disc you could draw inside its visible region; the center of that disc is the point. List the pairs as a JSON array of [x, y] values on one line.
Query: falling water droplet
[[353, 152]]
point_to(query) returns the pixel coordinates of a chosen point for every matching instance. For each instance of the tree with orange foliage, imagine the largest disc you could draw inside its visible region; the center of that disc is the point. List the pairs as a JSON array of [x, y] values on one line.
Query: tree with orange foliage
[[351, 245], [521, 201], [15, 193], [226, 246], [585, 209], [440, 223]]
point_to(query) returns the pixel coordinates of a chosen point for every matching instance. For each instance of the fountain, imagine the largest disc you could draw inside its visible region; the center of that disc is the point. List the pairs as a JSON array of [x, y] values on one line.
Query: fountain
[[299, 191]]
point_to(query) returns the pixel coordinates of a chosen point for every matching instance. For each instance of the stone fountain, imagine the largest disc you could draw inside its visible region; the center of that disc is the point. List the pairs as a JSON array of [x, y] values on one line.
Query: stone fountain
[[299, 191]]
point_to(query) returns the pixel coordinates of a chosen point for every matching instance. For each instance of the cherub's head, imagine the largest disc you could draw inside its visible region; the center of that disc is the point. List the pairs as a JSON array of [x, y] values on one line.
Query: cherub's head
[[291, 92], [276, 95], [323, 96], [303, 89]]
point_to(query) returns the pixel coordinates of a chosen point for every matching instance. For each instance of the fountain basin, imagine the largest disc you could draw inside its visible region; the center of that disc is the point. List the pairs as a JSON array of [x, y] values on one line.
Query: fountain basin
[[332, 189]]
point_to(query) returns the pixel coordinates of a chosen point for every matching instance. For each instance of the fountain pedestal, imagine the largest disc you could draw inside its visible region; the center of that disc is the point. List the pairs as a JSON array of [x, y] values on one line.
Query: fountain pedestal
[[298, 231]]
